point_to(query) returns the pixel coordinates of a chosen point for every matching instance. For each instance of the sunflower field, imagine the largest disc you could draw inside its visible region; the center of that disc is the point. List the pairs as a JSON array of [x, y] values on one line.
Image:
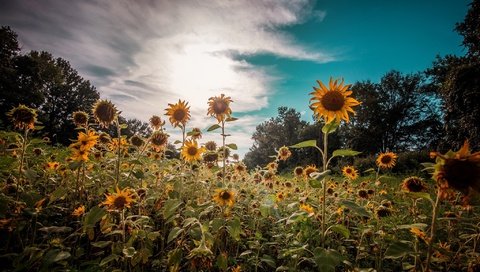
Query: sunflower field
[[112, 203]]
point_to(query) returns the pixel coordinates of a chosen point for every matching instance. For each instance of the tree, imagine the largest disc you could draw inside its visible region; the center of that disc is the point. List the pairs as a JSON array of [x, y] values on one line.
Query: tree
[[456, 80], [49, 84], [398, 114], [273, 134]]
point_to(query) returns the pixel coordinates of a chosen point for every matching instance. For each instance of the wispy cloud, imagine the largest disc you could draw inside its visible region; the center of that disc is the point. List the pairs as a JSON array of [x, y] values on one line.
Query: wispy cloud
[[145, 54]]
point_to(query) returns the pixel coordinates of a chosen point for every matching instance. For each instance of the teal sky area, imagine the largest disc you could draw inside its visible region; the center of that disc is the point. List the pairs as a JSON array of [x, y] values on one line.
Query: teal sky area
[[368, 39]]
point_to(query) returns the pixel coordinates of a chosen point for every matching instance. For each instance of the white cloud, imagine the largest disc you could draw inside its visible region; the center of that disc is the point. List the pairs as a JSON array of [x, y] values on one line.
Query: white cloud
[[145, 54]]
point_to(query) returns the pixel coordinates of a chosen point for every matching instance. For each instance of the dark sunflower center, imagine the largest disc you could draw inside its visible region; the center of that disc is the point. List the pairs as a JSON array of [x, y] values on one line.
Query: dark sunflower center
[[333, 101], [105, 112], [348, 171], [220, 107], [299, 171], [225, 195], [119, 202], [461, 174], [159, 139], [192, 151], [415, 185], [179, 114], [386, 159]]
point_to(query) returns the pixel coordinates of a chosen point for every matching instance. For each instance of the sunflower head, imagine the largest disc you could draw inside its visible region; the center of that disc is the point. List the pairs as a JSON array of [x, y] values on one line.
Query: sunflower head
[[195, 134], [383, 211], [219, 107], [459, 170], [240, 167], [307, 208], [211, 146], [23, 117], [298, 171], [78, 211], [159, 140], [332, 103], [280, 196], [310, 169], [284, 153], [119, 200], [272, 167], [178, 113], [386, 160], [191, 152], [224, 197], [136, 140], [104, 112], [224, 151], [350, 172], [210, 157], [156, 122], [414, 184]]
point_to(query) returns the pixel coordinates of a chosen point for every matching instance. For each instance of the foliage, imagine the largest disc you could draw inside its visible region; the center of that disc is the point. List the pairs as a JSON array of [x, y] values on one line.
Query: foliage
[[398, 113]]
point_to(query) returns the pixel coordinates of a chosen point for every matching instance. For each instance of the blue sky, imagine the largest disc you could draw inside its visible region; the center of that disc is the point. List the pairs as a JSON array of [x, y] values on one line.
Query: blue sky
[[264, 54]]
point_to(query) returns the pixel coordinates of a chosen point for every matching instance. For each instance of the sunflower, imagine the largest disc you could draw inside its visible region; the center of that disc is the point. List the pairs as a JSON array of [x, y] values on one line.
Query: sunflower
[[178, 113], [350, 172], [307, 208], [240, 167], [23, 117], [104, 112], [310, 169], [86, 141], [419, 233], [156, 122], [280, 196], [53, 165], [224, 197], [136, 140], [191, 152], [272, 167], [79, 154], [383, 211], [78, 211], [159, 140], [236, 157], [211, 146], [196, 133], [80, 118], [115, 143], [283, 153], [333, 103], [386, 160], [298, 171], [459, 170], [219, 107], [414, 184], [119, 200], [224, 151]]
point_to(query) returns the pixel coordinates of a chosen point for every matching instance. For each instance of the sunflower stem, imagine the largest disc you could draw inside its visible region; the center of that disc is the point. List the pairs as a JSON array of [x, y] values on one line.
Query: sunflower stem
[[117, 168], [432, 230], [324, 201], [224, 151], [22, 154]]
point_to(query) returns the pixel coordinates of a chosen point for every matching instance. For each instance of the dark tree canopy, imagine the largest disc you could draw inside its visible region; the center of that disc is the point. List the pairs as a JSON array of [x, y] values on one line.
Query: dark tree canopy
[[45, 83], [399, 113]]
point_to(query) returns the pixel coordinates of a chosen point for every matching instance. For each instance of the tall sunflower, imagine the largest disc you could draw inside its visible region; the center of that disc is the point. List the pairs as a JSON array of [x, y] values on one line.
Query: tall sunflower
[[459, 170], [224, 197], [87, 140], [309, 169], [156, 122], [119, 200], [191, 152], [386, 160], [350, 172], [104, 112], [333, 103], [283, 153], [159, 140], [23, 117], [219, 107], [178, 113]]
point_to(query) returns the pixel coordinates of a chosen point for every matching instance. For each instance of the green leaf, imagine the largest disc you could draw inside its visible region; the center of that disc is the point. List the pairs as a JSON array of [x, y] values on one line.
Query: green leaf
[[330, 127], [187, 222], [102, 244], [222, 262], [398, 249], [232, 146], [108, 259], [74, 165], [234, 227], [123, 126], [139, 174], [354, 207], [231, 119], [93, 216], [295, 217], [308, 143], [315, 183], [341, 229], [55, 255], [174, 234], [170, 207], [345, 153], [213, 127], [415, 225], [327, 259], [177, 142], [269, 260], [129, 252], [30, 174], [60, 192], [422, 195]]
